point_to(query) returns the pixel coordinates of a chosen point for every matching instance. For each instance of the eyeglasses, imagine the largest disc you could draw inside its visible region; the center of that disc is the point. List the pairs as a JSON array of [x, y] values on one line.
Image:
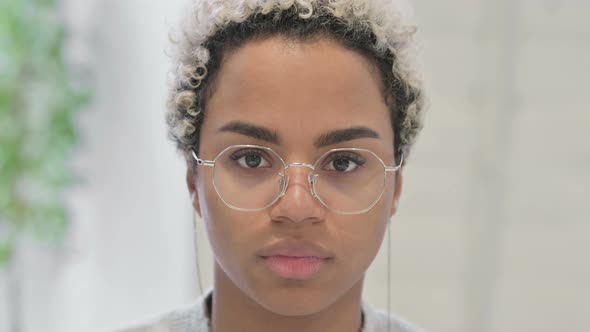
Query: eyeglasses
[[252, 178]]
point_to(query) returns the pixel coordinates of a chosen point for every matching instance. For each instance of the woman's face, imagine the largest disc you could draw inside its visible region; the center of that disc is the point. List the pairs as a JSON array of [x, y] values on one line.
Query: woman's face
[[295, 257]]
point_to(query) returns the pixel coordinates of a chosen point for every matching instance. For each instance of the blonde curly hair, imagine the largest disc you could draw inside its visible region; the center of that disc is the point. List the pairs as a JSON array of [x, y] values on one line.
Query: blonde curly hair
[[212, 28]]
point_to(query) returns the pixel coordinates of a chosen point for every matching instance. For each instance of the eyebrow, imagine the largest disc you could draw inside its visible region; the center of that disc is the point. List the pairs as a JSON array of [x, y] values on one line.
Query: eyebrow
[[343, 135], [329, 138], [251, 130]]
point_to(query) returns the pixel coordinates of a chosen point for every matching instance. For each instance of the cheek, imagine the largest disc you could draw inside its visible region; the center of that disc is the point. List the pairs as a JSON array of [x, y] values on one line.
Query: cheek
[[229, 231], [217, 218], [386, 203], [361, 236]]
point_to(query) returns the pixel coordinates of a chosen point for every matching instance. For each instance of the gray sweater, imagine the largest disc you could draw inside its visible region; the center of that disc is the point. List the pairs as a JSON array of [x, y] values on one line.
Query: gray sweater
[[194, 318]]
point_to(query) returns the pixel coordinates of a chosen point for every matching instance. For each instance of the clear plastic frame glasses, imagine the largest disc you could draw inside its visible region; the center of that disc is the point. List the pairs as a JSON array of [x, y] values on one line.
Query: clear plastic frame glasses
[[344, 180]]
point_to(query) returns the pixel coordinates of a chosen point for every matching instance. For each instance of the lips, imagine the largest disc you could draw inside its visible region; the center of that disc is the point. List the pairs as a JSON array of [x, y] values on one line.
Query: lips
[[292, 259]]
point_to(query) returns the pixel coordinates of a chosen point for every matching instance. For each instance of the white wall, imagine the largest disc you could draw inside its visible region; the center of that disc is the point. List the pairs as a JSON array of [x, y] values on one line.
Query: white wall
[[128, 253]]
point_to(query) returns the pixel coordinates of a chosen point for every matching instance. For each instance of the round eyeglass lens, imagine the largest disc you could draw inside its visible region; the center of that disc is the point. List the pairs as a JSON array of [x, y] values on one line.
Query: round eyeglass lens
[[248, 177], [349, 180]]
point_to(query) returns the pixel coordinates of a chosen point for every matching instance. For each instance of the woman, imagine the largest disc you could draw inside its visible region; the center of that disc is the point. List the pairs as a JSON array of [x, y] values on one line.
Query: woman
[[295, 118]]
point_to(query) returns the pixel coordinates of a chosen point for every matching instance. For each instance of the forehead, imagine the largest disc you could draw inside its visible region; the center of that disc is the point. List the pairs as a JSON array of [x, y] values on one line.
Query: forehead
[[298, 89]]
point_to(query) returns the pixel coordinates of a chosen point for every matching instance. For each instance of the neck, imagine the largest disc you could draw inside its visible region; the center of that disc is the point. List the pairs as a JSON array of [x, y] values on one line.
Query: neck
[[233, 310]]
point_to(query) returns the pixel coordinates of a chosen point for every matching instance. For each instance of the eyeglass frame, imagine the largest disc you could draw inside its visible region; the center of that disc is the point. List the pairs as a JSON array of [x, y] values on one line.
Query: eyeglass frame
[[311, 178]]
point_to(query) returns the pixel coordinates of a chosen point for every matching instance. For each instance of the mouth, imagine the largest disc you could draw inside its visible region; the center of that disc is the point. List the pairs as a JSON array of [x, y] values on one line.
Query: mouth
[[291, 259], [290, 267]]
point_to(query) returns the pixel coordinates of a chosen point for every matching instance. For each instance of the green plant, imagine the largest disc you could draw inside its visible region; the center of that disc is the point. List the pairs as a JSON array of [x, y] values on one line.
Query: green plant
[[38, 103]]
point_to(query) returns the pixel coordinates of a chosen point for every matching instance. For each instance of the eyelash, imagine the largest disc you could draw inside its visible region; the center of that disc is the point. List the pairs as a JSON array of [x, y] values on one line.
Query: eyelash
[[355, 158], [245, 152]]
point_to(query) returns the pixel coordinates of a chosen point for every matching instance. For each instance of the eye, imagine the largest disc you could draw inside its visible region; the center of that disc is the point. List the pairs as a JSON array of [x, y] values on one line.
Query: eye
[[250, 158], [343, 162]]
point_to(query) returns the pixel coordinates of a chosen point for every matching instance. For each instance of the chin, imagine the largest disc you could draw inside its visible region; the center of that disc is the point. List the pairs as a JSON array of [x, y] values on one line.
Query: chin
[[294, 301], [303, 298]]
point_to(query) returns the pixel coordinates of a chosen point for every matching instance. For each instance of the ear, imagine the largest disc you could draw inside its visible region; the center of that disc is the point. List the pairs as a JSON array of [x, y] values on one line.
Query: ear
[[191, 183], [399, 184]]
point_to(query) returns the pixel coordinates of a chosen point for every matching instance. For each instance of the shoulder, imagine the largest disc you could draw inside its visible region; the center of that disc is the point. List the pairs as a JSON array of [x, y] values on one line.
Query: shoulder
[[184, 319], [381, 321]]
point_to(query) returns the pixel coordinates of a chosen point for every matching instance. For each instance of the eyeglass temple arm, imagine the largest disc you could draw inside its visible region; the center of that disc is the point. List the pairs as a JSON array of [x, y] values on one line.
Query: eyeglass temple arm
[[397, 167], [202, 162]]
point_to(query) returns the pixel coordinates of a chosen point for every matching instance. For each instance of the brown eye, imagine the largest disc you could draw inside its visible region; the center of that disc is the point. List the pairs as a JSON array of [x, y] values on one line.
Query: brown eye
[[250, 159], [341, 165], [344, 162]]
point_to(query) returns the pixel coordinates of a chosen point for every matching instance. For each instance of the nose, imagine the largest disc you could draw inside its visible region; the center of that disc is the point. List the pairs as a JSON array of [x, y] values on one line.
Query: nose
[[298, 203]]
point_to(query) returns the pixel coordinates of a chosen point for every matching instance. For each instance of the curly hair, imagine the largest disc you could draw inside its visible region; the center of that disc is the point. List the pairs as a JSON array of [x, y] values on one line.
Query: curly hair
[[213, 28]]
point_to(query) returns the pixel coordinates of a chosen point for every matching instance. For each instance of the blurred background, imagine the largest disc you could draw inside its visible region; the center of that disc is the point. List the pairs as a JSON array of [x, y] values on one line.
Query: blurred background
[[493, 233]]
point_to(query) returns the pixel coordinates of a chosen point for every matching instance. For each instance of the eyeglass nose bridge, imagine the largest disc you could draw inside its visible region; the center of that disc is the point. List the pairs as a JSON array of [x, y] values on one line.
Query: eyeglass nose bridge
[[311, 178]]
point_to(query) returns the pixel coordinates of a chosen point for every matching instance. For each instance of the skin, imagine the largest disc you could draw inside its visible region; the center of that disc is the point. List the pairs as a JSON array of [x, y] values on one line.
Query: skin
[[299, 90]]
